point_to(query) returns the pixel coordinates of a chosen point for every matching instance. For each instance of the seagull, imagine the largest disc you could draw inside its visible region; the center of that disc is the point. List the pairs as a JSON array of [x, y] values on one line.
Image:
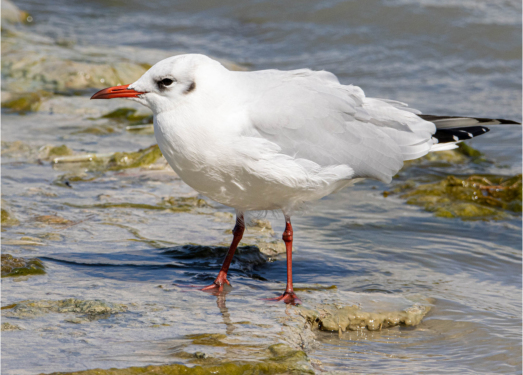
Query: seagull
[[275, 140]]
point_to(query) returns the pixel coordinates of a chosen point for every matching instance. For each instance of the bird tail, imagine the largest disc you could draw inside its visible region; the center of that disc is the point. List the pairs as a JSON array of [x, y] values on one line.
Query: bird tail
[[450, 130]]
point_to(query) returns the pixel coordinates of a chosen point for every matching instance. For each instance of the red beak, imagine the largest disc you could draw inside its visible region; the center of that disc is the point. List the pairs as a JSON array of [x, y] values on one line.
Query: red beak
[[116, 92]]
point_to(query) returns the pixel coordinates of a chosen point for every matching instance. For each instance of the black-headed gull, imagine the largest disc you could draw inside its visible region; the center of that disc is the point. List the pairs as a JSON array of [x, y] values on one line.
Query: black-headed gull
[[273, 140]]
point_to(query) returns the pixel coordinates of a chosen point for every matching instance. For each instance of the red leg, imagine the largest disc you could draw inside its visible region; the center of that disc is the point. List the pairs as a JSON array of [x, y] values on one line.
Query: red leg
[[288, 296], [238, 230]]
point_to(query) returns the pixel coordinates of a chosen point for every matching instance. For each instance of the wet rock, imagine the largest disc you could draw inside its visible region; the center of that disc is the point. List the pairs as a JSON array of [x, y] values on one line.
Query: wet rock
[[16, 149], [32, 62], [8, 220], [461, 155], [24, 151], [140, 158], [129, 115], [24, 241], [483, 197], [150, 158], [13, 267], [342, 318], [184, 204], [272, 247], [261, 226], [10, 327], [25, 102], [96, 130], [51, 236], [92, 309], [52, 219]]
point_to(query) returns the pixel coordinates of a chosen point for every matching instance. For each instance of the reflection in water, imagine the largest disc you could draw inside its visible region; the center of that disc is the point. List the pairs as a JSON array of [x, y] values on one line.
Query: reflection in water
[[221, 299]]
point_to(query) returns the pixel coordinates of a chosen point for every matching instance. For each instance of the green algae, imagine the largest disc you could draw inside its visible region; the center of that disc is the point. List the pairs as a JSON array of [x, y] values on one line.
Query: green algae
[[461, 155], [96, 130], [129, 115], [209, 339], [136, 159], [336, 318], [8, 220], [92, 309], [52, 219], [177, 369], [10, 327], [477, 197], [184, 203], [14, 267], [62, 150], [66, 179], [467, 150], [278, 359], [26, 102], [173, 204]]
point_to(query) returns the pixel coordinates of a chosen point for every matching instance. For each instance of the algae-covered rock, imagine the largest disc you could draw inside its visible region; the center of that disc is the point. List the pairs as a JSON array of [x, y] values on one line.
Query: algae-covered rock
[[25, 102], [91, 308], [342, 318], [475, 197], [276, 359], [8, 220], [32, 62], [52, 219], [150, 157], [129, 115], [140, 158], [13, 267], [184, 204], [50, 152], [10, 327], [460, 155]]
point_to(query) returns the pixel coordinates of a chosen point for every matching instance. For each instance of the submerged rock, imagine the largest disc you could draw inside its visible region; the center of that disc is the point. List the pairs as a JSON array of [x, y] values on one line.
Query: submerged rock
[[8, 220], [275, 359], [32, 62], [10, 327], [13, 267], [91, 308], [129, 115], [25, 102], [52, 219], [475, 197], [116, 161], [140, 158]]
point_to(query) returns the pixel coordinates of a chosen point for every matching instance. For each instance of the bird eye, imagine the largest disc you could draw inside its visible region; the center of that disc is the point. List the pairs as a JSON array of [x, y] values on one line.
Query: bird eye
[[165, 82]]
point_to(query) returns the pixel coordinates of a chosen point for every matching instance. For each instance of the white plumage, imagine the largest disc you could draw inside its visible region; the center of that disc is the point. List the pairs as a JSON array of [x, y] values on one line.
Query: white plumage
[[274, 139]]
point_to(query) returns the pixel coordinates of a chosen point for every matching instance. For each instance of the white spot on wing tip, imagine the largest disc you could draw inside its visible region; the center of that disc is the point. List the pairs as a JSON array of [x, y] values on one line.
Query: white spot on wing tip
[[455, 138]]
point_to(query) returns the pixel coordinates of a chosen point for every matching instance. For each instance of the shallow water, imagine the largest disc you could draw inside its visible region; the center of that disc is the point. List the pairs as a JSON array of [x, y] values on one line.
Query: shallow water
[[442, 57]]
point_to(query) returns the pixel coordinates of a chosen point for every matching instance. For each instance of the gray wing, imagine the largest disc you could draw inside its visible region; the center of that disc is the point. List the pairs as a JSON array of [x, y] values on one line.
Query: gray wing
[[310, 115]]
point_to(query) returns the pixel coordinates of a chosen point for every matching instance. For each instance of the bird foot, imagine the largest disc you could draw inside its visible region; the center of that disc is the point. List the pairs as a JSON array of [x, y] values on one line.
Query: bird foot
[[217, 285], [290, 298]]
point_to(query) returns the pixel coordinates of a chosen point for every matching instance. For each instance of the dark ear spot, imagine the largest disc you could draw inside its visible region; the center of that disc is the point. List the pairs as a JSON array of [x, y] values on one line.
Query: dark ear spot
[[190, 88]]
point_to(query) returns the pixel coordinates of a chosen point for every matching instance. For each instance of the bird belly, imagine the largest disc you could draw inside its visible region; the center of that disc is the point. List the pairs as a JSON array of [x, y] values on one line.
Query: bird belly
[[245, 177]]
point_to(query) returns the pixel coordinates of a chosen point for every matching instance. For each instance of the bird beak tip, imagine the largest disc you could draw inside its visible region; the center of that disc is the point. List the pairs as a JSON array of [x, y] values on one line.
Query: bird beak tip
[[116, 92]]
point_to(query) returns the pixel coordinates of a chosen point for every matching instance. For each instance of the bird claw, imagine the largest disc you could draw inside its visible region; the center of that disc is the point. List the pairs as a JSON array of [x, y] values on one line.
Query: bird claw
[[216, 286], [290, 298]]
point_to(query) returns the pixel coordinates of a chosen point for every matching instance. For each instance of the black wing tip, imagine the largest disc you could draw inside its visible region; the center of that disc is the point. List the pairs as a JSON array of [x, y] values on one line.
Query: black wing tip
[[478, 119], [459, 134]]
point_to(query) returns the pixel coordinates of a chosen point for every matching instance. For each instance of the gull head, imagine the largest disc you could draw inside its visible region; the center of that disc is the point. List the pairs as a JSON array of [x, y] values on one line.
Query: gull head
[[169, 83]]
